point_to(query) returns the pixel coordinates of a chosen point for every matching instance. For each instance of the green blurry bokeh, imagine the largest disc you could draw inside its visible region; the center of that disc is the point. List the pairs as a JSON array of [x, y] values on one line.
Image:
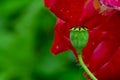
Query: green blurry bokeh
[[26, 35]]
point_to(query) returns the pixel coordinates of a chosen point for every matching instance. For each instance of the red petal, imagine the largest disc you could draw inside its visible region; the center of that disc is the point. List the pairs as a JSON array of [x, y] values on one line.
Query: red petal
[[102, 53], [68, 10], [89, 11], [110, 70], [106, 40], [61, 39]]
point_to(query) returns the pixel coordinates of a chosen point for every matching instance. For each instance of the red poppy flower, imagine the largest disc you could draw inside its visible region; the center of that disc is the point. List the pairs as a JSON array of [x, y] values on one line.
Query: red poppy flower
[[102, 51]]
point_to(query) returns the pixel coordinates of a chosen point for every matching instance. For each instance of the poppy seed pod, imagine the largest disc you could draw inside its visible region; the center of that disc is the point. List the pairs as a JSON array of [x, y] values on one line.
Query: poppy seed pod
[[79, 37]]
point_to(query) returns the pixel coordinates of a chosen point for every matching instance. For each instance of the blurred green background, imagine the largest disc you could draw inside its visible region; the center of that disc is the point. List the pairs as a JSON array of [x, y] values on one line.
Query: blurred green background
[[26, 35]]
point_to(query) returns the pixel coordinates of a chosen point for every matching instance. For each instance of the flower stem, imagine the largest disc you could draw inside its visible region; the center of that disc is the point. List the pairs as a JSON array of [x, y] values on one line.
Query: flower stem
[[86, 69]]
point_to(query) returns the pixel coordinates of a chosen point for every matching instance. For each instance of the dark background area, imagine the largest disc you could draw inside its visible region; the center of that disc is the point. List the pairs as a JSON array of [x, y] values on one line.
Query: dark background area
[[26, 35]]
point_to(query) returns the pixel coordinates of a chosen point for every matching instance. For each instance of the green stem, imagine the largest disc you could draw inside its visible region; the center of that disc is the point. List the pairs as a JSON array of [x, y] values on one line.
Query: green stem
[[86, 69]]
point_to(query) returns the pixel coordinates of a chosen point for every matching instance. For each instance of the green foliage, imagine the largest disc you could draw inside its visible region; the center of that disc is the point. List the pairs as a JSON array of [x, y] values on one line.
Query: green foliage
[[26, 35]]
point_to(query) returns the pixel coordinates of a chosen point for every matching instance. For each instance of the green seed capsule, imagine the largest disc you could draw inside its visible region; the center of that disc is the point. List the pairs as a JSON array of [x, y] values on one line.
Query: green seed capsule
[[79, 37]]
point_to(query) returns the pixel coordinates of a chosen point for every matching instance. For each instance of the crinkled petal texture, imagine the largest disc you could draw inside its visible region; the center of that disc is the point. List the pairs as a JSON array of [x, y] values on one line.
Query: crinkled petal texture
[[111, 3], [102, 51]]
